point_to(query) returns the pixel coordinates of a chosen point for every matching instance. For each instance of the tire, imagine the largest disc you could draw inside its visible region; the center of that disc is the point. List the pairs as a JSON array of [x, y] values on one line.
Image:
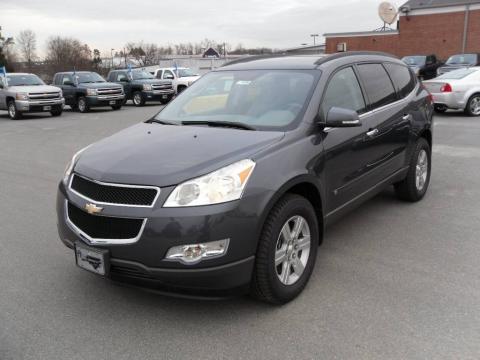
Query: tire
[[414, 188], [267, 284], [473, 105], [13, 112], [116, 107], [82, 105], [180, 89], [440, 109], [138, 99], [56, 112]]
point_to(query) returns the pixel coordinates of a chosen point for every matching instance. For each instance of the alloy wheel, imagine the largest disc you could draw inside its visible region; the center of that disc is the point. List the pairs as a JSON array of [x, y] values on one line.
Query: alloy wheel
[[292, 250], [421, 170], [81, 105], [475, 105], [137, 99], [11, 110]]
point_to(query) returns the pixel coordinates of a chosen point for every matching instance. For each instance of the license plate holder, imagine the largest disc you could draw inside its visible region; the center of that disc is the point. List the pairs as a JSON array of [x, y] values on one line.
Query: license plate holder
[[164, 97], [91, 259], [112, 102], [47, 108]]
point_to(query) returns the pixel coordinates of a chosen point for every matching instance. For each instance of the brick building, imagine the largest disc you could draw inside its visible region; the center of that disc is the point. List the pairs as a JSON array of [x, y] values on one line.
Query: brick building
[[441, 27]]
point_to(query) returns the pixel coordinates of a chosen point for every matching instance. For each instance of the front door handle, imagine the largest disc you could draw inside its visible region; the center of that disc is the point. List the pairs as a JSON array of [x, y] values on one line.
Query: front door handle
[[373, 132]]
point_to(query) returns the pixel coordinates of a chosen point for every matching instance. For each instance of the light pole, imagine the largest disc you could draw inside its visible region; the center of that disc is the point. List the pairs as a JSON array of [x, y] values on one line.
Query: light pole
[[111, 55], [314, 38]]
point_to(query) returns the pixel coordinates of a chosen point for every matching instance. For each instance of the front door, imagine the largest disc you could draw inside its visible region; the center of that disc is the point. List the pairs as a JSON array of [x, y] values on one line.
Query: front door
[[68, 88]]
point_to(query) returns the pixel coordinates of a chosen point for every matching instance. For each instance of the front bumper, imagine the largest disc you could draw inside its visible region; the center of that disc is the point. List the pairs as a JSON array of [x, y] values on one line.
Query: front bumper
[[39, 105], [142, 263], [452, 100], [157, 95], [101, 100]]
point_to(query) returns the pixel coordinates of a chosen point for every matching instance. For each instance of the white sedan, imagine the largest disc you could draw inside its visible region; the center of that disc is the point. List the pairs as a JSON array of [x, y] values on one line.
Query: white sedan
[[458, 89]]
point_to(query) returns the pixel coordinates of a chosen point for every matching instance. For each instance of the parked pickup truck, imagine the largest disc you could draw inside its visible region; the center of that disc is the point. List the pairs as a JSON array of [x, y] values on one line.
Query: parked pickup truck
[[83, 90], [181, 77], [141, 86], [22, 93], [424, 66], [459, 61]]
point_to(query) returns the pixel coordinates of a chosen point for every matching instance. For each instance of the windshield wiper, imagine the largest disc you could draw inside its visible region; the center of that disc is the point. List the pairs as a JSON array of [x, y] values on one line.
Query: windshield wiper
[[161, 122], [227, 124]]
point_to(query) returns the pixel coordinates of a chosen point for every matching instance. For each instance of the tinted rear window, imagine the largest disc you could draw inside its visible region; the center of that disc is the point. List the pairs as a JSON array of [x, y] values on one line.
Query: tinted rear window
[[379, 88], [402, 78]]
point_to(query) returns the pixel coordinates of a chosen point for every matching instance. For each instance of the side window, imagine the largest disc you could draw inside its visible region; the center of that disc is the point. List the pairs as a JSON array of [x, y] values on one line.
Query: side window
[[159, 74], [121, 77], [402, 78], [378, 85], [343, 91], [168, 75], [66, 79]]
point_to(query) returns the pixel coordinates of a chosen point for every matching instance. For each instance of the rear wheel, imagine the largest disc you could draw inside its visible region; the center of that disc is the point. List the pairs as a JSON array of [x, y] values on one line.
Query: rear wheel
[[286, 251], [138, 99], [13, 112], [473, 105], [415, 185], [82, 105]]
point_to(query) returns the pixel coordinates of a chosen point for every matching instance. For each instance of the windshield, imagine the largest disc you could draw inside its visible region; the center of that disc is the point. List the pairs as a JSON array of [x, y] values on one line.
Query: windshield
[[186, 73], [462, 59], [89, 77], [415, 60], [21, 80], [457, 74], [260, 99], [140, 75]]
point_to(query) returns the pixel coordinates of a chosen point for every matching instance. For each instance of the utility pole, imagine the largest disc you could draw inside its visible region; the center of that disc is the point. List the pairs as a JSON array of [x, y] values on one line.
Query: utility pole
[[111, 55], [314, 38]]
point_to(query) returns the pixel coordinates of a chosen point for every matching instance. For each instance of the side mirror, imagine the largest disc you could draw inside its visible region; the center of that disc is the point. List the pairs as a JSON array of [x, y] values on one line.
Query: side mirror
[[69, 83], [340, 117], [124, 80]]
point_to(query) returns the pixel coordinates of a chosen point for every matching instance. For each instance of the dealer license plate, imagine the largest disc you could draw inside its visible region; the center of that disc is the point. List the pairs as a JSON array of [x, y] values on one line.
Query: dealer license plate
[[112, 102], [47, 108], [93, 260]]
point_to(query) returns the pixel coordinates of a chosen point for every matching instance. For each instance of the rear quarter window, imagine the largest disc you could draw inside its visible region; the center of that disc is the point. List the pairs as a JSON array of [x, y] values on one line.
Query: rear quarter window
[[378, 85], [402, 78]]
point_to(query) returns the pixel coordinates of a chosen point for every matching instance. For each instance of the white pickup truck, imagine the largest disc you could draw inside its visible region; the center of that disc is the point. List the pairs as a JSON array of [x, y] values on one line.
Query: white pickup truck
[[22, 93], [181, 77]]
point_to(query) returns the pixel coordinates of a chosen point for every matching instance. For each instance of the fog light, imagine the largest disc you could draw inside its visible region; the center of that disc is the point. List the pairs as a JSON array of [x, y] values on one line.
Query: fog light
[[192, 254]]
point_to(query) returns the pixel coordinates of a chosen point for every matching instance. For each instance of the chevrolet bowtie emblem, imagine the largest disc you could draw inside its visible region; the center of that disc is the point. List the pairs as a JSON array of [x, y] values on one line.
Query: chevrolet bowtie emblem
[[93, 209]]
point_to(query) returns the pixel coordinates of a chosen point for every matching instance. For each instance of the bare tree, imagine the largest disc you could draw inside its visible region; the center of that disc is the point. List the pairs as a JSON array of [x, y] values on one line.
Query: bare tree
[[65, 54], [27, 44]]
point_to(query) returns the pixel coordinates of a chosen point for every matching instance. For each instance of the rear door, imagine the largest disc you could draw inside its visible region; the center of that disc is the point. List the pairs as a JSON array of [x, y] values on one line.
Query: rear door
[[387, 134], [345, 158]]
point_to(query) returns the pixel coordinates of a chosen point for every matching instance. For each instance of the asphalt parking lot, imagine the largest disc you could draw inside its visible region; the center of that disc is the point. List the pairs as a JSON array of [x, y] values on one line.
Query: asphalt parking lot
[[392, 281]]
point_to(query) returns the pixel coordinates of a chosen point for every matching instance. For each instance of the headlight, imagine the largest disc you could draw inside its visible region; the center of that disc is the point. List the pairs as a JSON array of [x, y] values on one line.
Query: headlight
[[91, 92], [226, 184], [21, 96], [147, 87], [71, 164]]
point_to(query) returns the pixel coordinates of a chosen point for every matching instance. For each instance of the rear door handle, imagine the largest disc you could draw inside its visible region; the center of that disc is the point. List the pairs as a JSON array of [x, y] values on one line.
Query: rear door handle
[[373, 132]]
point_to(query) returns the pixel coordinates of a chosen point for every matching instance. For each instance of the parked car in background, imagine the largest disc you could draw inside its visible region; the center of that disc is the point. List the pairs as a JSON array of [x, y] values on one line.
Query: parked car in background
[[229, 188], [459, 61], [84, 89], [27, 93], [181, 77], [458, 90], [424, 66], [141, 86]]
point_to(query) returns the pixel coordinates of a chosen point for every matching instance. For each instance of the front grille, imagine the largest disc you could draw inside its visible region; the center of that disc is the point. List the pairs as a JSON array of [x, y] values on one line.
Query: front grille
[[162, 86], [44, 96], [104, 227], [110, 91], [113, 193]]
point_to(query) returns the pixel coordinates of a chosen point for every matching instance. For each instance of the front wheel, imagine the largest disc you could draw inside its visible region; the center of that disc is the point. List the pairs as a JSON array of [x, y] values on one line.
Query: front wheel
[[13, 112], [415, 184], [473, 105], [82, 105], [138, 99], [165, 101], [56, 112], [287, 251]]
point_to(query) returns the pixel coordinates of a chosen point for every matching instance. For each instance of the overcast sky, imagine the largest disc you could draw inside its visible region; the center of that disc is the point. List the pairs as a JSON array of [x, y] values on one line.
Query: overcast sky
[[106, 24]]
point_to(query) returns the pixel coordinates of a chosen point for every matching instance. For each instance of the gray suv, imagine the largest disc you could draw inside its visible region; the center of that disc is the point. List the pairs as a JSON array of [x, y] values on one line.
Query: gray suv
[[27, 93]]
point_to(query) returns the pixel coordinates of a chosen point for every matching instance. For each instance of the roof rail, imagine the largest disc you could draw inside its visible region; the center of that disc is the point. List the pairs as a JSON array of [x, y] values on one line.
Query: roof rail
[[351, 53], [249, 58]]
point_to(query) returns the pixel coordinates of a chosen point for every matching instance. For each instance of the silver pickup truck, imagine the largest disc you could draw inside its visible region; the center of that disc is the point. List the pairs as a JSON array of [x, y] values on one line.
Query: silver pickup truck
[[21, 93]]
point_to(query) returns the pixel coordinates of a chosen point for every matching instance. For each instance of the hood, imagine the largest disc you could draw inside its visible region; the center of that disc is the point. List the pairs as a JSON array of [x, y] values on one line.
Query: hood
[[164, 155], [102, 85], [152, 81], [189, 78], [35, 89]]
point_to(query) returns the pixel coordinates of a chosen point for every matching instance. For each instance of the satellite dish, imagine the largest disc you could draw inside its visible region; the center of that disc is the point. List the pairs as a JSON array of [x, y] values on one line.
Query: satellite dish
[[387, 12]]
